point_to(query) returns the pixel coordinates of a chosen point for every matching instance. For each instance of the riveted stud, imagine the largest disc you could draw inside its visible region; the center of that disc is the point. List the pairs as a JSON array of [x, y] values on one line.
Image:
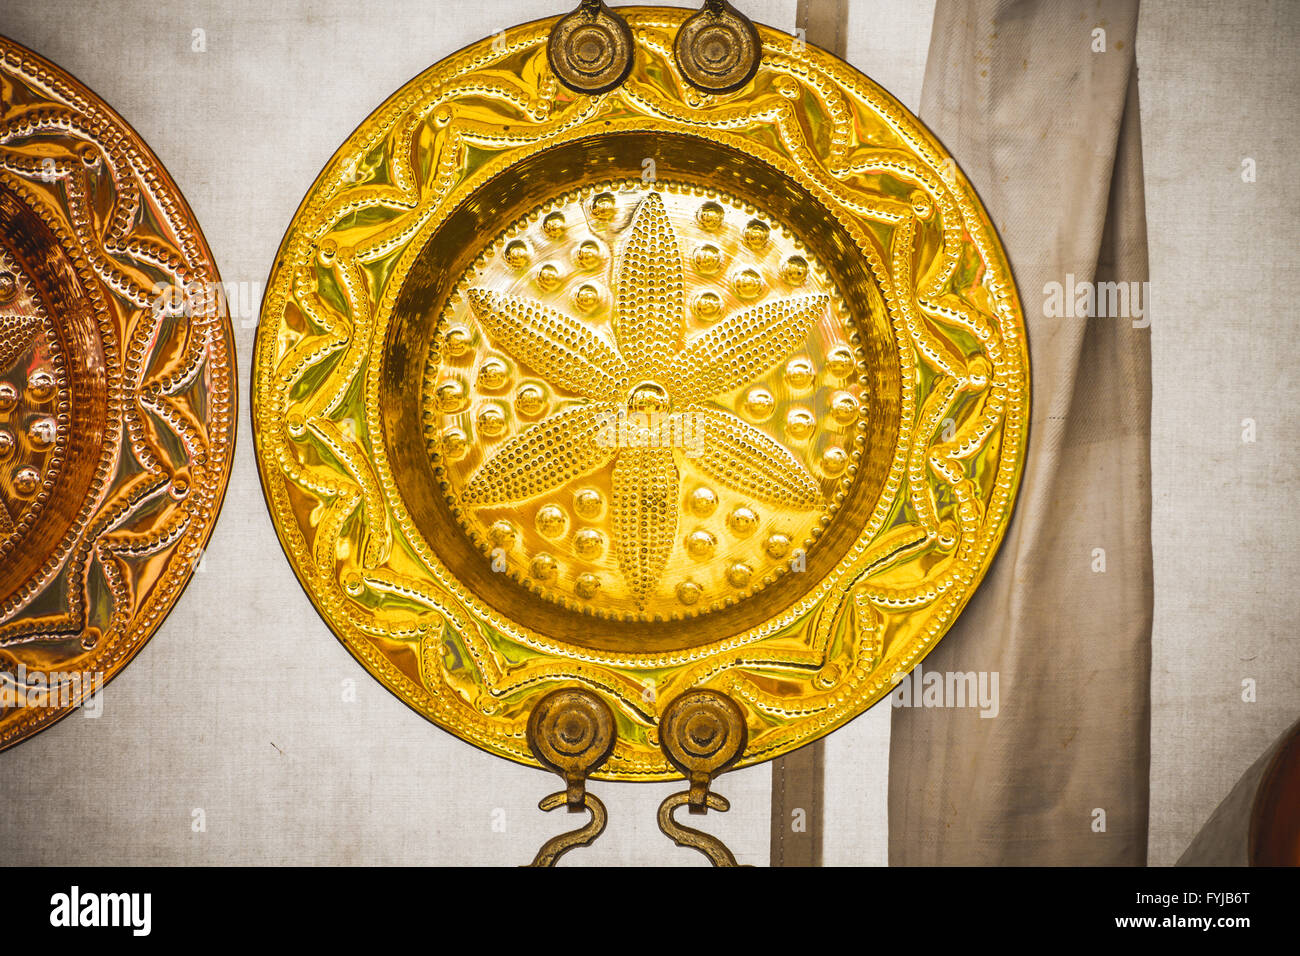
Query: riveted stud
[[590, 50]]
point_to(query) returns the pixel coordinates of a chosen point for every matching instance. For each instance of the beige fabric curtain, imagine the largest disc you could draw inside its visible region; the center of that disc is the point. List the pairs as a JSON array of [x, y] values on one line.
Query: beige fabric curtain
[[1038, 102]]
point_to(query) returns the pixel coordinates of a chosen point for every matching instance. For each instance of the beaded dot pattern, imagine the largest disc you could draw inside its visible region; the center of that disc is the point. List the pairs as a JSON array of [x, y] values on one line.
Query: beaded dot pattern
[[33, 404], [645, 405]]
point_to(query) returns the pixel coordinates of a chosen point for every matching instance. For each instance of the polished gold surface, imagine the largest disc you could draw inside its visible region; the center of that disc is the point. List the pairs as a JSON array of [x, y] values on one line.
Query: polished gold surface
[[116, 393], [707, 364], [644, 392]]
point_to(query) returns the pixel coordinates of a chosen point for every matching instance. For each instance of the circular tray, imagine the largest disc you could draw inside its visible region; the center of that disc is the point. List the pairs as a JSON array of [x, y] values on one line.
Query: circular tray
[[116, 393], [640, 392]]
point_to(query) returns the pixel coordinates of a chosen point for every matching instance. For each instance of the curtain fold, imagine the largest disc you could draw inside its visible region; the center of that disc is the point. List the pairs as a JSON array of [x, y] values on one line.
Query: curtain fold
[[1038, 102]]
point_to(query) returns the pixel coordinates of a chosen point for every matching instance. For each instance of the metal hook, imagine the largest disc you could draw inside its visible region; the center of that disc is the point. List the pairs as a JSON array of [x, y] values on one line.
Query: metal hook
[[557, 846], [691, 838], [571, 732], [702, 733]]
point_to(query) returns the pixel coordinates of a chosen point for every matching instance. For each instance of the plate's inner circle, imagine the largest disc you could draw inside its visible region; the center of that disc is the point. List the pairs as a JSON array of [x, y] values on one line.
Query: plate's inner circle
[[53, 398], [645, 400]]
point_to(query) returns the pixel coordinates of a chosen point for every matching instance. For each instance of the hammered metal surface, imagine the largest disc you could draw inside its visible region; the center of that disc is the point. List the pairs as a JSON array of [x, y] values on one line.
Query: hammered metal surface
[[116, 393], [709, 360], [640, 392]]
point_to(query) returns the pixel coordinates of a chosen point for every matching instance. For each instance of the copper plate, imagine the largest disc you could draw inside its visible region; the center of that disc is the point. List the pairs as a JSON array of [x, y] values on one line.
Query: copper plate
[[640, 392], [116, 393]]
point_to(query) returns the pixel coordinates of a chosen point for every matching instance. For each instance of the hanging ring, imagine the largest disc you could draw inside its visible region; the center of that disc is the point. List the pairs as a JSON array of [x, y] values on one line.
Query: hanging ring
[[590, 49], [702, 733], [718, 48]]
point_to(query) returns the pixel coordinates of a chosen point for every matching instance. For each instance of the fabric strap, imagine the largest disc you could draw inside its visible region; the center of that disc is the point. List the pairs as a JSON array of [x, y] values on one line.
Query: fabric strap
[[1038, 103], [798, 779]]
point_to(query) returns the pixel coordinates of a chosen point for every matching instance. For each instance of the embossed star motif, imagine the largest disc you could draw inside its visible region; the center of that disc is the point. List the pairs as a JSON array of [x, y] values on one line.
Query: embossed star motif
[[650, 370]]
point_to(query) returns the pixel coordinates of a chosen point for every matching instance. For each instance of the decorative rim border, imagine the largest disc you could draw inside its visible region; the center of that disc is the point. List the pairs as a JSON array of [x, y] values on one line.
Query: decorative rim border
[[998, 378]]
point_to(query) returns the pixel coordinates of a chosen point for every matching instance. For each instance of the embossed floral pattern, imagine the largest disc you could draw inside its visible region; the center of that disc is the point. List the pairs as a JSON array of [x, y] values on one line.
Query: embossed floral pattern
[[649, 371]]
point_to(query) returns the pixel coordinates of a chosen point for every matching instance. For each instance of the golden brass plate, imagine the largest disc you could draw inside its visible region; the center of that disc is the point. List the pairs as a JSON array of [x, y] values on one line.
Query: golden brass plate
[[640, 392], [116, 393]]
